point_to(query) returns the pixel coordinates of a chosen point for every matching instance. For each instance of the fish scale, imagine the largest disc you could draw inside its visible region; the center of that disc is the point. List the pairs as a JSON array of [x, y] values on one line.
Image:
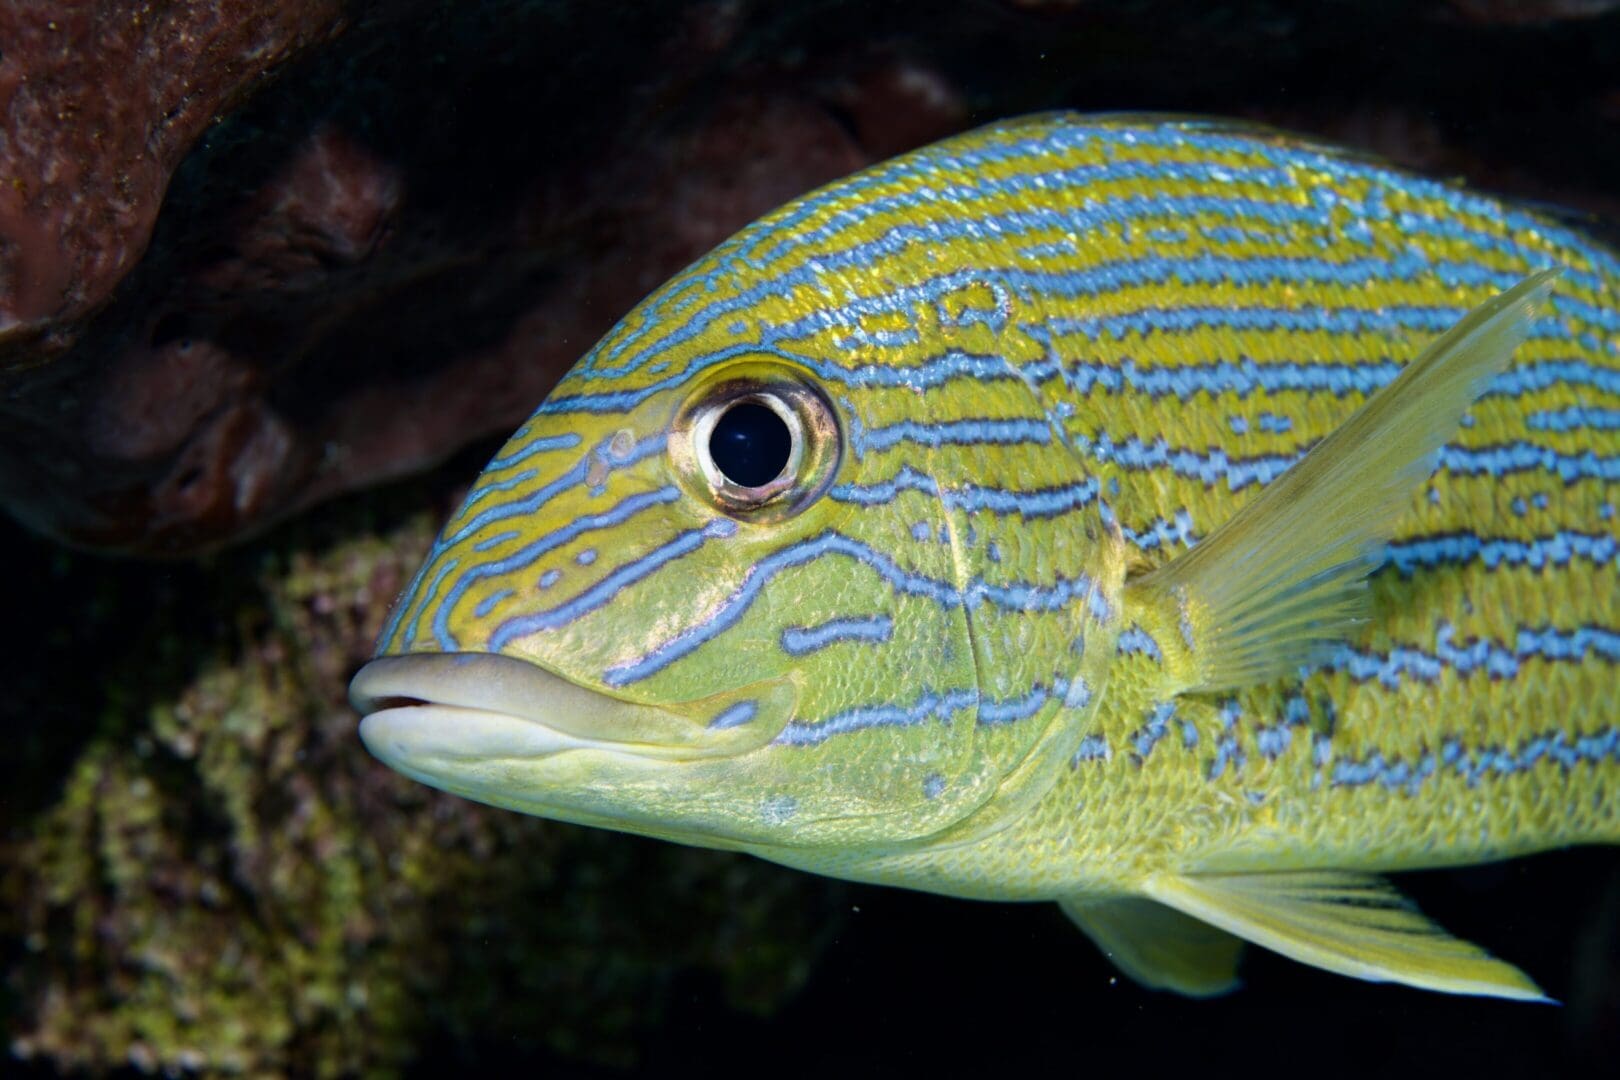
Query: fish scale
[[1063, 351]]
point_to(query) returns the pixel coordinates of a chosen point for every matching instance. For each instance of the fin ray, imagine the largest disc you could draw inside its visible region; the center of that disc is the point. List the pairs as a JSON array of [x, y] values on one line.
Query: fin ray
[[1352, 924], [1158, 946], [1281, 583]]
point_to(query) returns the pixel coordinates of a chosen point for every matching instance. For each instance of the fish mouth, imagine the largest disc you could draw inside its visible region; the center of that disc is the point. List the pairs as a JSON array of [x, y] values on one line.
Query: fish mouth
[[451, 707]]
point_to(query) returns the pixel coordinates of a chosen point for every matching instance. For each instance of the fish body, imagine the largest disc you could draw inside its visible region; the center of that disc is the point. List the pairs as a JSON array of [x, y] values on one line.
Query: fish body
[[960, 641]]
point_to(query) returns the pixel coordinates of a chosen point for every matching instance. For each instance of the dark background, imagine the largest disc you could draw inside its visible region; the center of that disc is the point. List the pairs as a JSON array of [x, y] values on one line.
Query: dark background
[[368, 252]]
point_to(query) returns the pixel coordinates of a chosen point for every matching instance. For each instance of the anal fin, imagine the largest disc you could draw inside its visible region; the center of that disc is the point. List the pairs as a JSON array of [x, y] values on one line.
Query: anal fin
[[1353, 924], [1159, 947]]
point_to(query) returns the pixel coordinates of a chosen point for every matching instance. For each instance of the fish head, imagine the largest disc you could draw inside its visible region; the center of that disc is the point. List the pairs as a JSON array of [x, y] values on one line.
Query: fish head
[[743, 594]]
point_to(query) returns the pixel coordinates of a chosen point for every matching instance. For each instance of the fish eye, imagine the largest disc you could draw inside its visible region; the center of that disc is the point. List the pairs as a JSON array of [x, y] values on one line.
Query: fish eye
[[760, 446], [750, 444]]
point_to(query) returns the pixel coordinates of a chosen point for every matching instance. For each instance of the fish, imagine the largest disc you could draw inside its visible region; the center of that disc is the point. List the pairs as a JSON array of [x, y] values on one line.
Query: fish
[[1181, 521]]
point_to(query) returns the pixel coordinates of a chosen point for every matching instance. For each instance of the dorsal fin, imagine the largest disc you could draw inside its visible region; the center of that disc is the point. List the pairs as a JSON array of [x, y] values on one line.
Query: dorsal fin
[[1281, 582]]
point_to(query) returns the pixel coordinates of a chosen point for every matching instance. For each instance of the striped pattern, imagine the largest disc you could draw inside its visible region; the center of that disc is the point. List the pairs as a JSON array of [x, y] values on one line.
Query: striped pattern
[[1059, 348]]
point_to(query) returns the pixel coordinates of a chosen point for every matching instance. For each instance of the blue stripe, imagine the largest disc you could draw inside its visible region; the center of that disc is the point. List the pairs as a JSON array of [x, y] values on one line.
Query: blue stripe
[[985, 431], [930, 372], [1244, 377], [1015, 597], [525, 556], [1216, 465], [1496, 659], [573, 478], [973, 498], [538, 446], [1574, 418], [801, 640], [735, 716], [1039, 142], [1560, 748], [1136, 272], [610, 586], [928, 705], [1133, 639], [1453, 549]]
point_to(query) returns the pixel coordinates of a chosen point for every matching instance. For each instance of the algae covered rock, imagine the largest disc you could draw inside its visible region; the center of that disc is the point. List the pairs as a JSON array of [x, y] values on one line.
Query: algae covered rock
[[205, 872]]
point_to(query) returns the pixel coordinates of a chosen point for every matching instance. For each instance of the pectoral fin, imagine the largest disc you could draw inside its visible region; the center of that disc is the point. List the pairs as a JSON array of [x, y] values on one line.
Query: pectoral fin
[[1354, 924], [1159, 947], [1279, 584]]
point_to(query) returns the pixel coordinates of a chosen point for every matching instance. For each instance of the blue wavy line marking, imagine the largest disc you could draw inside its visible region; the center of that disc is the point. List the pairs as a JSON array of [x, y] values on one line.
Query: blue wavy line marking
[[1241, 377], [1244, 376], [1430, 318], [926, 374], [1559, 748], [1574, 418], [802, 640], [1499, 660], [574, 477], [605, 590], [1454, 549], [927, 706], [1029, 503], [1457, 200], [484, 490], [1324, 200], [1153, 729], [526, 556], [445, 568], [565, 441], [1016, 597], [1133, 640], [1516, 457], [1216, 465], [732, 257], [1158, 318], [994, 713], [1155, 534], [1091, 748], [981, 431], [1045, 141], [1105, 278], [496, 540], [982, 188], [734, 716]]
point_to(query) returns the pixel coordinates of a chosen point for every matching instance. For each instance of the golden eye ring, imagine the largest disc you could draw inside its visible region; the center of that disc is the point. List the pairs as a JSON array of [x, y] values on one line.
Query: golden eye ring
[[758, 409]]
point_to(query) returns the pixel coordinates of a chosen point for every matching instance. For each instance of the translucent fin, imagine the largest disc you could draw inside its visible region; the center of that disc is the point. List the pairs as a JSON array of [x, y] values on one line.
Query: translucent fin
[[1281, 583], [1354, 924], [1160, 947]]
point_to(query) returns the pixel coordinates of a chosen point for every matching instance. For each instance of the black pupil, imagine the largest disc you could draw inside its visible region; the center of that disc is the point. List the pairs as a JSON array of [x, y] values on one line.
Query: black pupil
[[750, 444]]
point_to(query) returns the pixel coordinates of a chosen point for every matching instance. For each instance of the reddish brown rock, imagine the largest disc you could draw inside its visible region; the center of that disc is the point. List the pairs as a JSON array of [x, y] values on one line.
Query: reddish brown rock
[[411, 217], [100, 101]]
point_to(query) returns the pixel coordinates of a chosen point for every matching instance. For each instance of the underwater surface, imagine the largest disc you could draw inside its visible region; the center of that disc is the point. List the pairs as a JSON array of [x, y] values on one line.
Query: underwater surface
[[274, 287]]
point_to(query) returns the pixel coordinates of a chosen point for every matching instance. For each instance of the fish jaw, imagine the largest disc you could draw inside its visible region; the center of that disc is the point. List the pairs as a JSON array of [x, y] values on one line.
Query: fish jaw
[[441, 713]]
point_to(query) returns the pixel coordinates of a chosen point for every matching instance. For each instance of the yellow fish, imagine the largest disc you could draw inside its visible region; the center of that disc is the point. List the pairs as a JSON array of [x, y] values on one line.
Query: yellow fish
[[1180, 522]]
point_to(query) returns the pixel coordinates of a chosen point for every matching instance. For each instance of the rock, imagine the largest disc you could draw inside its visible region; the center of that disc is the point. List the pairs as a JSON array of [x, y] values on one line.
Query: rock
[[408, 219], [203, 871]]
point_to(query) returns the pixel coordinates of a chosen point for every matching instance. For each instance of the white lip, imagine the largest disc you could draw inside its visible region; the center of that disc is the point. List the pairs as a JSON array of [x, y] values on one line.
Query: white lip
[[405, 734], [467, 706]]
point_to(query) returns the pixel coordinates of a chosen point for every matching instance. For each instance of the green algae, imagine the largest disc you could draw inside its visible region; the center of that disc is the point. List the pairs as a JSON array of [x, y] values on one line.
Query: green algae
[[205, 873]]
